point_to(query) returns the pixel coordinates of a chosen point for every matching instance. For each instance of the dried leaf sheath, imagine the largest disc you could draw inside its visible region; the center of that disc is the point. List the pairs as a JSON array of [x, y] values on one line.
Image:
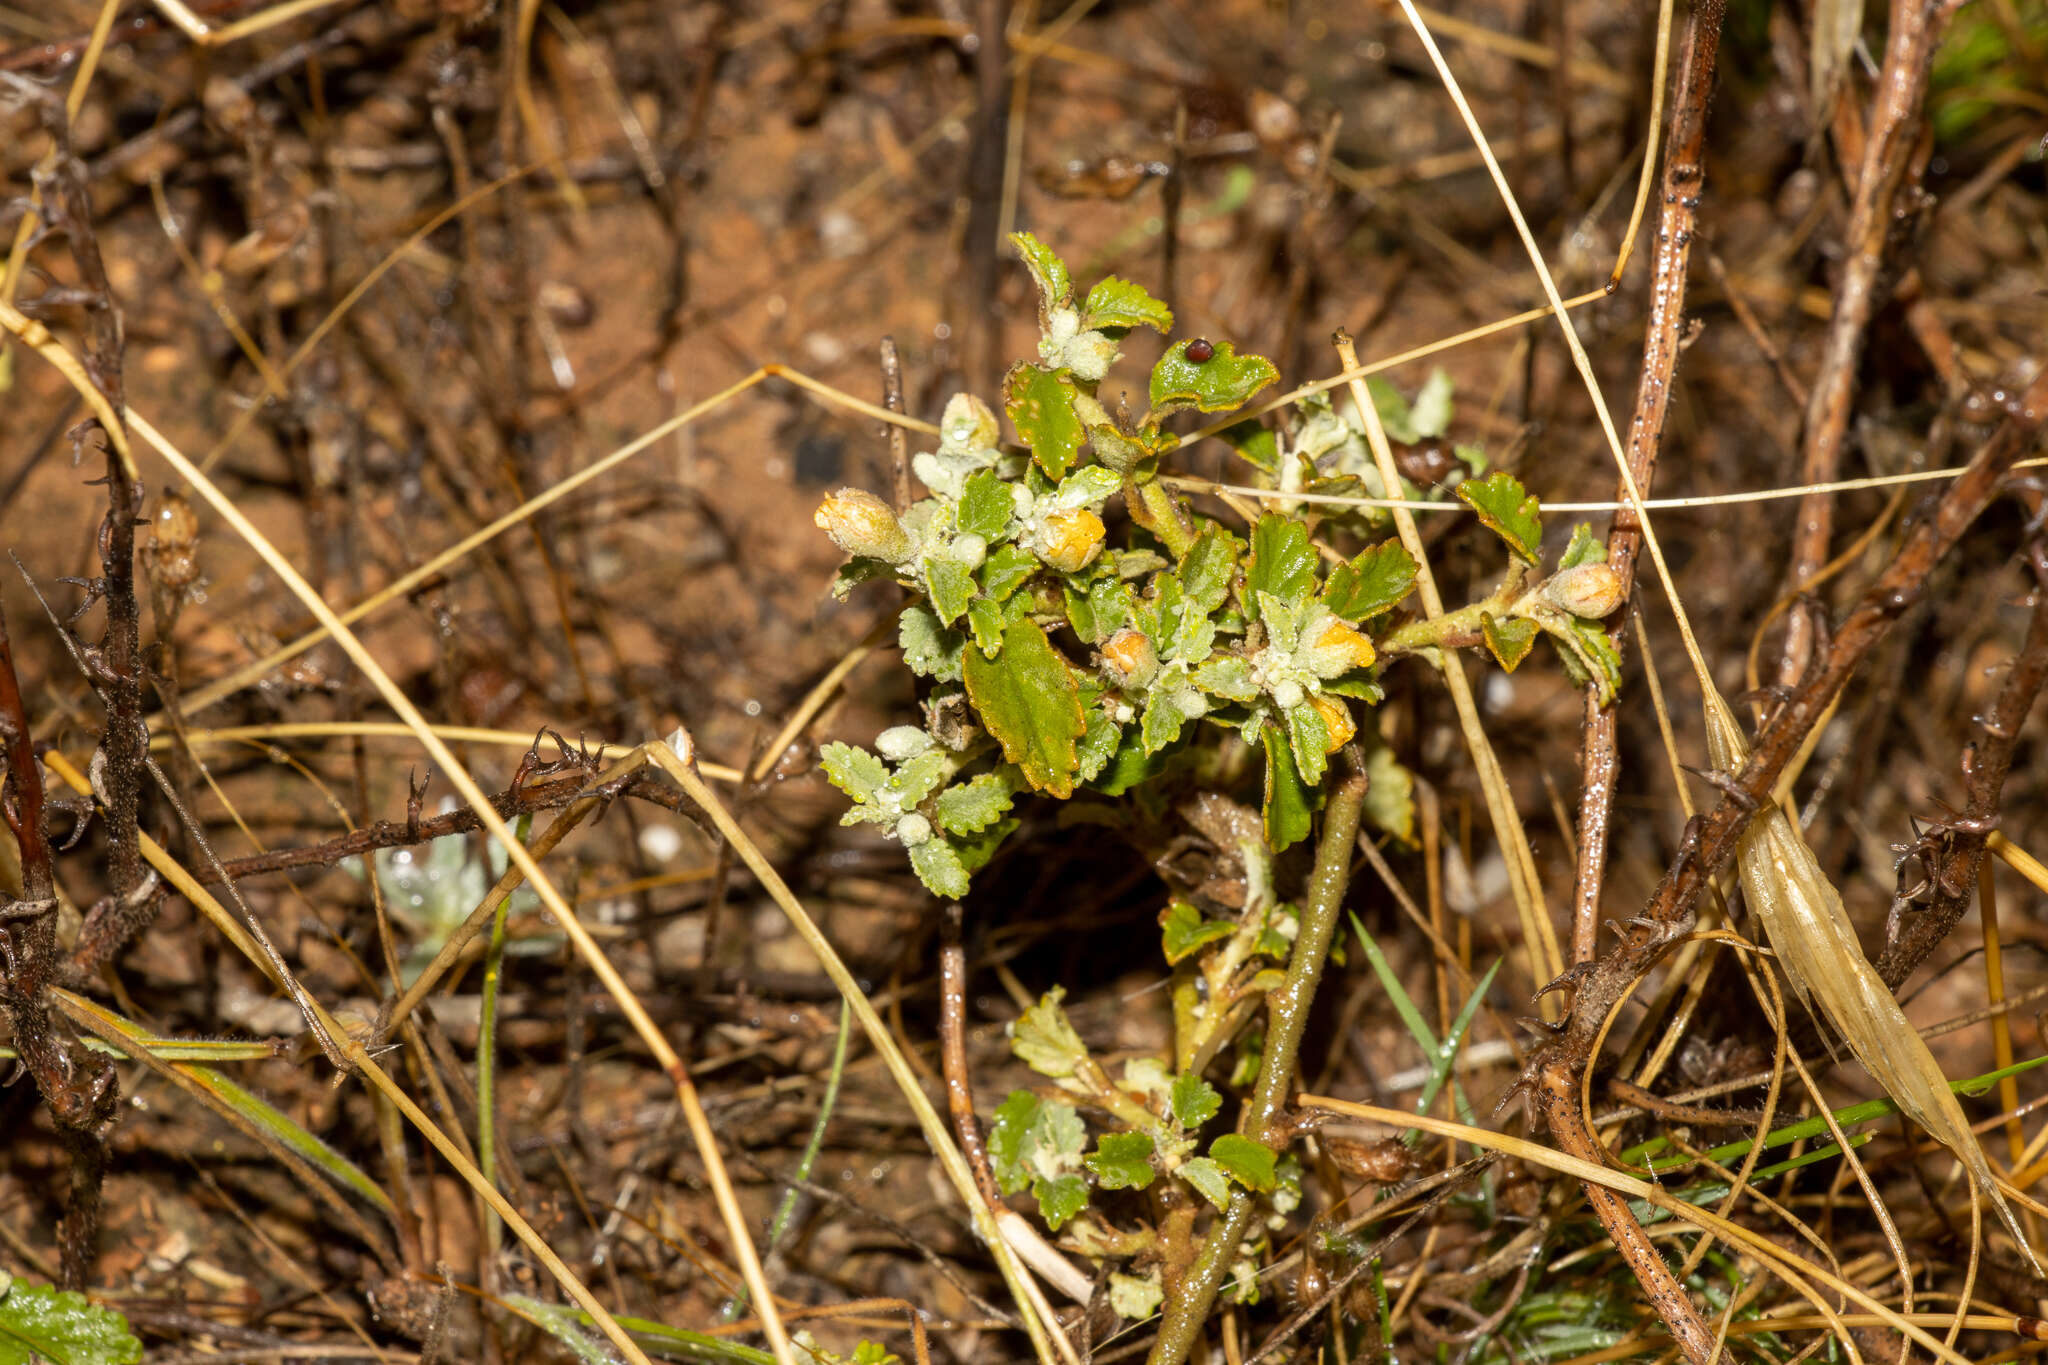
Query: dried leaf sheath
[[1802, 915]]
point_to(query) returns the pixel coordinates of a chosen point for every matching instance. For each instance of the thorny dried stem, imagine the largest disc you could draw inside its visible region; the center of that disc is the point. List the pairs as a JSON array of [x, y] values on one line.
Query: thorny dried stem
[[1884, 205], [1684, 172]]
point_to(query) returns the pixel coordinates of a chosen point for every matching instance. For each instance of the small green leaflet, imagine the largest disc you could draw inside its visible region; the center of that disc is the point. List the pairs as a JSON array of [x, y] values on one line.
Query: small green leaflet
[[1584, 549], [1186, 932], [1005, 570], [1055, 286], [1034, 1139], [1041, 406], [1310, 738], [974, 805], [1224, 381], [1283, 560], [1510, 638], [985, 505], [1208, 1179], [1249, 1163], [1045, 1041], [1507, 509], [1060, 1198], [1121, 304], [1122, 1161], [950, 585], [1289, 806], [1194, 1100], [939, 868], [1373, 581], [929, 649], [41, 1323], [1210, 564], [854, 771], [1028, 699], [1588, 655], [1255, 444]]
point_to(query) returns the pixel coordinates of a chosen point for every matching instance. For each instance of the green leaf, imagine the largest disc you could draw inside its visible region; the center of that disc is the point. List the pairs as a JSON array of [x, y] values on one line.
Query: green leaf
[[1249, 1163], [1283, 560], [1371, 582], [854, 771], [1119, 303], [1099, 744], [1584, 549], [950, 585], [1028, 699], [973, 806], [1289, 806], [1120, 453], [1162, 721], [1044, 1039], [1194, 1101], [1055, 286], [1226, 675], [985, 622], [1186, 931], [1224, 381], [929, 648], [1389, 794], [1588, 655], [1015, 1119], [1122, 1161], [1310, 738], [1041, 406], [1510, 639], [919, 776], [1135, 1297], [974, 850], [1208, 1179], [857, 571], [41, 1323], [1211, 562], [985, 505], [1060, 1198], [939, 868], [1255, 444], [1507, 509], [1005, 570]]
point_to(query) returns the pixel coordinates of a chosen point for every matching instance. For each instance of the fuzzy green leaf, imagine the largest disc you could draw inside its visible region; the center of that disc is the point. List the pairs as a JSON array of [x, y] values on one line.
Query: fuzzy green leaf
[[1250, 1163], [1510, 639], [1162, 721], [1255, 444], [1226, 675], [950, 585], [1122, 1161], [1208, 1179], [974, 850], [1060, 1198], [1041, 406], [985, 505], [1389, 794], [1206, 572], [1028, 699], [1119, 303], [1194, 1101], [985, 623], [41, 1323], [1120, 452], [1186, 932], [1507, 509], [929, 648], [1099, 744], [1005, 570], [1371, 582], [1055, 286], [1008, 1137], [854, 771], [1283, 560], [1310, 738], [939, 868], [1289, 807], [1224, 381], [1585, 548], [1588, 655], [857, 571], [1044, 1039], [973, 806]]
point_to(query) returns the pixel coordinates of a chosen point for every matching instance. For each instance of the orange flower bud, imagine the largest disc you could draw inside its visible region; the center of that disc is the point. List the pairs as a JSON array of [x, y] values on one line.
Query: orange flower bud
[[1339, 648], [862, 524], [1128, 657], [1336, 720], [1071, 539]]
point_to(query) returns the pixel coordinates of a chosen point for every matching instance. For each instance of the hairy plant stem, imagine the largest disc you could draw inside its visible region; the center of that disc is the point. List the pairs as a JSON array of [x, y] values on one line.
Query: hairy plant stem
[[1460, 628], [1287, 1014]]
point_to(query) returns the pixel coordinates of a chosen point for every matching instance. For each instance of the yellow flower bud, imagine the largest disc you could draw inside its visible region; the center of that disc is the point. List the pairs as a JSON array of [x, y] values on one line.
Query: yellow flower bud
[[1070, 539], [1339, 648], [1590, 591], [862, 524], [1128, 657], [1336, 720]]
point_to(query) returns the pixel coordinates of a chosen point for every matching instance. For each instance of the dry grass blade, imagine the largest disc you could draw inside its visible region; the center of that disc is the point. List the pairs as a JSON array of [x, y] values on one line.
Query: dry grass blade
[[1816, 944]]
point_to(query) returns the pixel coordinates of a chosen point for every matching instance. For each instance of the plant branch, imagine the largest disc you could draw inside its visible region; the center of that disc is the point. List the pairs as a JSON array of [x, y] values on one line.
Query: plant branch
[[1288, 1008], [1684, 172]]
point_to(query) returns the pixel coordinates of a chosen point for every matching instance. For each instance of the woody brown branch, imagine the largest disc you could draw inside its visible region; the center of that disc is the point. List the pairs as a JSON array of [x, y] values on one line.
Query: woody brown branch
[[1684, 172]]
